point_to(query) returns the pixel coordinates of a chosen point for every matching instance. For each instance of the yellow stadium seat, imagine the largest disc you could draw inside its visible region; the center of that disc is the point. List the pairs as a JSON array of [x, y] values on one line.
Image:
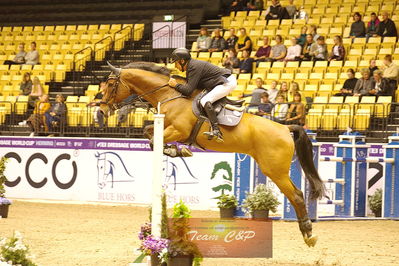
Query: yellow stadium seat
[[362, 119], [383, 106], [313, 118], [22, 104], [329, 119], [344, 119], [319, 102]]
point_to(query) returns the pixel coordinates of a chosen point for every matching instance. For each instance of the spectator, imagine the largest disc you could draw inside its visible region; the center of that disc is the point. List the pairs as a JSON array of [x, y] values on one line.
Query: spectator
[[301, 14], [293, 90], [273, 91], [264, 51], [372, 25], [338, 50], [237, 5], [36, 120], [391, 71], [358, 30], [37, 91], [218, 44], [276, 11], [97, 114], [203, 40], [380, 86], [294, 51], [283, 90], [32, 57], [318, 50], [247, 62], [279, 111], [265, 107], [56, 114], [302, 37], [373, 66], [232, 40], [278, 51], [256, 94], [296, 113], [291, 9], [255, 5], [243, 42], [386, 28], [363, 84], [349, 84], [313, 32], [306, 56], [19, 58], [26, 84], [231, 61]]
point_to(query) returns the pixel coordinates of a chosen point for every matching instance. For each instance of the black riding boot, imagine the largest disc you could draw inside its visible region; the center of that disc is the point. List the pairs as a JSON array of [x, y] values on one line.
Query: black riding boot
[[215, 131]]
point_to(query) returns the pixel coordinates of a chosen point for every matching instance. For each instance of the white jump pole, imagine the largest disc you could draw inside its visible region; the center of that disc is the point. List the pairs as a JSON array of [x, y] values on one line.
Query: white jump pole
[[156, 212]]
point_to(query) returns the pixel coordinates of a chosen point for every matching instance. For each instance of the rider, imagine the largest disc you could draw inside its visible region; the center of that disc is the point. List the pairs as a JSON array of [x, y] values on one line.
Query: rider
[[203, 75]]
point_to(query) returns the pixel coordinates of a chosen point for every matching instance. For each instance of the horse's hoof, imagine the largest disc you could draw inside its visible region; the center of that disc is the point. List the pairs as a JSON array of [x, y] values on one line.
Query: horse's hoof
[[186, 152], [310, 241]]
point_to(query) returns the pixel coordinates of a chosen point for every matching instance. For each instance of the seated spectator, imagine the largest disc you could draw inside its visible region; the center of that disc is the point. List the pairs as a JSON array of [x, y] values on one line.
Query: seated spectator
[[358, 30], [338, 50], [231, 61], [306, 56], [256, 94], [243, 42], [32, 57], [98, 116], [291, 9], [302, 37], [373, 66], [26, 84], [349, 84], [283, 90], [296, 113], [278, 51], [380, 86], [318, 50], [391, 71], [37, 91], [294, 51], [254, 5], [237, 5], [232, 40], [301, 14], [19, 58], [265, 107], [279, 111], [363, 84], [218, 44], [386, 28], [36, 120], [294, 89], [273, 91], [372, 25], [203, 40], [264, 51], [246, 63], [313, 32], [276, 11], [56, 114]]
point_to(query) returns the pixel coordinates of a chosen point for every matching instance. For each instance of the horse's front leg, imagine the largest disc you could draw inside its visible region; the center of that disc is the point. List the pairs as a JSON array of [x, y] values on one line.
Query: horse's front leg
[[172, 134]]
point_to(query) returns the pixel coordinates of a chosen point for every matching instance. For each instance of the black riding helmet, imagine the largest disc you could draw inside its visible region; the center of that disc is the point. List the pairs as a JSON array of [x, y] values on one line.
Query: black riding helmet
[[181, 54]]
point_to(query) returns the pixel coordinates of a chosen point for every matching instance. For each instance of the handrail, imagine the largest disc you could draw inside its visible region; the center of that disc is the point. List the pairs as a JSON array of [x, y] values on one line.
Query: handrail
[[78, 52]]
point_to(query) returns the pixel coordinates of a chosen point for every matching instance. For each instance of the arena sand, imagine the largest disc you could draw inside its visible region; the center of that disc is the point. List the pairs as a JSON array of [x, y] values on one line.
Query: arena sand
[[72, 234]]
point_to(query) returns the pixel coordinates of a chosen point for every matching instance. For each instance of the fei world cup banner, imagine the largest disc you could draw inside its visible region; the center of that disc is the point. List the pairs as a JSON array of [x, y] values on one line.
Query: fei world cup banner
[[110, 170]]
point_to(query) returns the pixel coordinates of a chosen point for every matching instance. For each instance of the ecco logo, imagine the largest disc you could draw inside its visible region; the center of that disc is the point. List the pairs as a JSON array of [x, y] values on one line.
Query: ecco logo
[[40, 156]]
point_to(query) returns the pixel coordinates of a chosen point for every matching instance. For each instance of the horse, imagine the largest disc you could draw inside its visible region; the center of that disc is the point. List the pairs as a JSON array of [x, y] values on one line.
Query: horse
[[269, 143]]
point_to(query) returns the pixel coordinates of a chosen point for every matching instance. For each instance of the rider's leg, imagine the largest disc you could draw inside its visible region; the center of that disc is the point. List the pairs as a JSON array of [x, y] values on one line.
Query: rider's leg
[[217, 93]]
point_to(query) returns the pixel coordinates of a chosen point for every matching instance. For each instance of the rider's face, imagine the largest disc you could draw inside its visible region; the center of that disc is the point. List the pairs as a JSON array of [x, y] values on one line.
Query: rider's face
[[178, 65]]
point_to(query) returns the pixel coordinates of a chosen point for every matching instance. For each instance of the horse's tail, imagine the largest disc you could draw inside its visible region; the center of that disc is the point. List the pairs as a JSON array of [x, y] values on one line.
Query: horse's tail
[[304, 151]]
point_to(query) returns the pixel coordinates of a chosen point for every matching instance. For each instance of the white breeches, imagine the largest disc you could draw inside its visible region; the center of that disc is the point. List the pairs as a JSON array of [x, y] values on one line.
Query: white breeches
[[220, 91]]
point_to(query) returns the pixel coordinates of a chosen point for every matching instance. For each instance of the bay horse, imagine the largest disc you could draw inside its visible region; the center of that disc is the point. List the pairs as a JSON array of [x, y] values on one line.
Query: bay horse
[[268, 142]]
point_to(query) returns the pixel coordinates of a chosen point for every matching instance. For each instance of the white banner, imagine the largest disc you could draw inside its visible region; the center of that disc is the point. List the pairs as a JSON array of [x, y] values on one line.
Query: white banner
[[167, 35]]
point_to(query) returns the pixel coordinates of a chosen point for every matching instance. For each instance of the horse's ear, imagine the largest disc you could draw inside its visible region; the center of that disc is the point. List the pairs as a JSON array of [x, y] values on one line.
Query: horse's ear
[[115, 70]]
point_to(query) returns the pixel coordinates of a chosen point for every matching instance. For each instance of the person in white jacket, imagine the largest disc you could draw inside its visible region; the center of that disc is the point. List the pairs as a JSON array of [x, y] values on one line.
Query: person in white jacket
[[279, 111], [294, 51]]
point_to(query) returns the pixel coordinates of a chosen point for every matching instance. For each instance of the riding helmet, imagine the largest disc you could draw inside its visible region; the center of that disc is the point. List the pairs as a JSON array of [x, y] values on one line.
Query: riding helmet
[[181, 53]]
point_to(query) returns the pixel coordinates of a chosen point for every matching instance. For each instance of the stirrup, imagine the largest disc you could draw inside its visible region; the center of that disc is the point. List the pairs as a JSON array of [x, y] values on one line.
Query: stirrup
[[214, 134]]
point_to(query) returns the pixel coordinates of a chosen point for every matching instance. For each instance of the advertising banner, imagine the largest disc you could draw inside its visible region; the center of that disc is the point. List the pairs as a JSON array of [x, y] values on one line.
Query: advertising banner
[[167, 35]]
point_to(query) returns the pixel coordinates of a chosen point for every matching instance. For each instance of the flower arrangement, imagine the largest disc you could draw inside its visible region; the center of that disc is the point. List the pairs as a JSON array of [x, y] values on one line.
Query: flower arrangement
[[227, 201], [3, 200], [375, 202], [261, 199], [14, 252]]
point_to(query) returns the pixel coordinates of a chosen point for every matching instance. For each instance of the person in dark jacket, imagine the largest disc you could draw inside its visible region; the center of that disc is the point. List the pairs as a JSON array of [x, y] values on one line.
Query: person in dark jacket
[[373, 66], [26, 85], [387, 27], [246, 63], [218, 44], [56, 113], [380, 86], [349, 84], [276, 11], [357, 28], [372, 25], [232, 40], [203, 75], [265, 107]]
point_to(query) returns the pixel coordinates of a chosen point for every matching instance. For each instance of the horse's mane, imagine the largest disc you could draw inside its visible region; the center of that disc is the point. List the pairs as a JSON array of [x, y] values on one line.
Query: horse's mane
[[148, 66]]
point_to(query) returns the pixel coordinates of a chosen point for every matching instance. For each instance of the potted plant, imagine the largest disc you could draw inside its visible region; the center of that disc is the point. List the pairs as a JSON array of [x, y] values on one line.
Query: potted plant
[[260, 202], [181, 250], [227, 204], [14, 252], [4, 202], [375, 202]]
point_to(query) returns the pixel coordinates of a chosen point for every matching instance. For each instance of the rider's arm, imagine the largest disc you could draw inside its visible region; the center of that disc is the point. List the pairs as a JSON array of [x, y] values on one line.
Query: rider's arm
[[192, 83]]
